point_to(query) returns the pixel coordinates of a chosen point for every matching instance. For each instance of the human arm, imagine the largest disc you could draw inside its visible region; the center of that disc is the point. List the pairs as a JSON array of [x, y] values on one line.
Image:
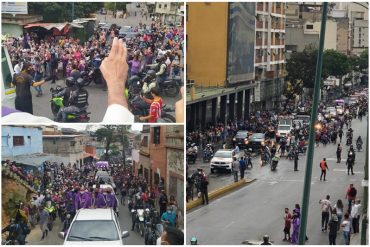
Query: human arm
[[162, 69]]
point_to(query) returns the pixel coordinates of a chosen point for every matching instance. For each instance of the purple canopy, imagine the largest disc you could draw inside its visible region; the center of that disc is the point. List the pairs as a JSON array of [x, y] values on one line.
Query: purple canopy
[[102, 164]]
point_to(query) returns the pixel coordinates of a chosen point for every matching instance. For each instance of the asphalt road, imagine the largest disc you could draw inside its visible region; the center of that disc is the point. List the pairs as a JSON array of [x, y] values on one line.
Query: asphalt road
[[257, 209], [124, 219]]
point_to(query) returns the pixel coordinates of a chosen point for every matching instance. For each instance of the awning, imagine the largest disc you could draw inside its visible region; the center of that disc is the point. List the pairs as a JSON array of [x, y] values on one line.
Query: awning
[[86, 155], [30, 159], [48, 26]]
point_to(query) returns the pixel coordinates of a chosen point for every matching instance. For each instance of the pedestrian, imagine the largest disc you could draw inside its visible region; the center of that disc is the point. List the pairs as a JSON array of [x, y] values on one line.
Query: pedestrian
[[123, 195], [296, 161], [339, 209], [163, 201], [350, 196], [355, 215], [324, 167], [296, 224], [325, 211], [346, 225], [44, 219], [333, 227], [350, 162], [23, 81], [287, 224], [235, 168], [340, 132], [242, 167], [339, 153], [204, 189]]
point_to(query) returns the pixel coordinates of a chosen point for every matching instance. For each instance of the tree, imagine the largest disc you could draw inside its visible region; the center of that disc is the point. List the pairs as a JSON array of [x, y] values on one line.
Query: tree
[[301, 67], [106, 135], [122, 131], [364, 60], [335, 64], [115, 6], [62, 11]]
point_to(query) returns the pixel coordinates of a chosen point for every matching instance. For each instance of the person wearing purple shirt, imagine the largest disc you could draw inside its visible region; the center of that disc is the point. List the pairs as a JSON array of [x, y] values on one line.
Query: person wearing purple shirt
[[81, 198], [96, 200], [110, 199], [135, 65]]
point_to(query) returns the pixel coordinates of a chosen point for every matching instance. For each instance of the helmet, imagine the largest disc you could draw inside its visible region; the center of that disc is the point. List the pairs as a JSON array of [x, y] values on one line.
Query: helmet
[[266, 238], [70, 81], [193, 241], [80, 82]]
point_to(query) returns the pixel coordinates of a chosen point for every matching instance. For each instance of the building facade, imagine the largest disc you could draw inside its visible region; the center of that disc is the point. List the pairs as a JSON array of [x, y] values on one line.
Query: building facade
[[175, 163], [270, 54], [170, 12], [220, 62], [21, 140], [68, 148]]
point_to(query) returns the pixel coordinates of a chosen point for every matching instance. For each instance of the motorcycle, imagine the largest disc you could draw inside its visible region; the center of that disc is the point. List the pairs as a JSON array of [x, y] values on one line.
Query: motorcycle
[[207, 155], [153, 228], [56, 103], [191, 156], [274, 163], [140, 108], [140, 220], [359, 146], [170, 87]]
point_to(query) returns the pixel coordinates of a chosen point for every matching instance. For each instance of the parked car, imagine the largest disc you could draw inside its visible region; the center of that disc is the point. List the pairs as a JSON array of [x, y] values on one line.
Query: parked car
[[256, 141], [222, 160], [94, 226], [241, 138]]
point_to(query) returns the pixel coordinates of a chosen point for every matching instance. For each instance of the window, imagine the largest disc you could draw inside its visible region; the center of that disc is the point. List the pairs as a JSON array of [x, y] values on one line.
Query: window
[[165, 6], [156, 135], [18, 141], [144, 141], [73, 143], [160, 6], [4, 141], [309, 26]]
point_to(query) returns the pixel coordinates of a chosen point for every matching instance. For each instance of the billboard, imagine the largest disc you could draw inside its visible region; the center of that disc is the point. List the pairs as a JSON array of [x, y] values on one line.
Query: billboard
[[241, 40], [14, 8]]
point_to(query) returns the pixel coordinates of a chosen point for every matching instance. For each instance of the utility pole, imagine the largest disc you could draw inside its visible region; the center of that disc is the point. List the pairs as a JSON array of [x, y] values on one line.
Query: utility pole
[[311, 141], [365, 184]]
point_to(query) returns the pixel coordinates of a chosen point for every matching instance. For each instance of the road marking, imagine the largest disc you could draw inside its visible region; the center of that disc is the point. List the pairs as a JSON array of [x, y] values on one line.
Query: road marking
[[273, 182], [232, 222], [345, 170]]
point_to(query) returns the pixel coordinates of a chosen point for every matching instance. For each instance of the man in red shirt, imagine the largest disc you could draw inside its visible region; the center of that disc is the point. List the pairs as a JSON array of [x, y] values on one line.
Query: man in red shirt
[[287, 224], [155, 110]]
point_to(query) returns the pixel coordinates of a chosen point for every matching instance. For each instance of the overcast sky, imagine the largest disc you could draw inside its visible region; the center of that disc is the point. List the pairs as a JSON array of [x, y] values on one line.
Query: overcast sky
[[135, 126]]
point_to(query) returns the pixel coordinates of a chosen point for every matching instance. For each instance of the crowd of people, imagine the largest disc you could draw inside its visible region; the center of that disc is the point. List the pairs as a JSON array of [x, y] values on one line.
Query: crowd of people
[[63, 189], [37, 59]]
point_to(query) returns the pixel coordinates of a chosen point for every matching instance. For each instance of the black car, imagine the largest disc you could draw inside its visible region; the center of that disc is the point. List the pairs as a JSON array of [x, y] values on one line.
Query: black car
[[256, 141], [241, 139]]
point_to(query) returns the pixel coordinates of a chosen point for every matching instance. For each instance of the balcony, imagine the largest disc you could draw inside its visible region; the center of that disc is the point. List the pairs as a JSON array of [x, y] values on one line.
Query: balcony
[[258, 60], [259, 24], [259, 42], [270, 74], [260, 7], [277, 25]]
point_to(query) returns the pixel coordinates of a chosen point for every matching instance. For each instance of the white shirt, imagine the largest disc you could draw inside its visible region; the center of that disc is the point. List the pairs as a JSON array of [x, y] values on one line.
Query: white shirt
[[18, 68], [355, 210], [117, 114], [347, 226]]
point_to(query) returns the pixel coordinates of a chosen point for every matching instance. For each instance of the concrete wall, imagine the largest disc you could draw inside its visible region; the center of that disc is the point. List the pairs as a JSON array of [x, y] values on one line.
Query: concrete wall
[[342, 35], [295, 36], [207, 43], [63, 145], [32, 140]]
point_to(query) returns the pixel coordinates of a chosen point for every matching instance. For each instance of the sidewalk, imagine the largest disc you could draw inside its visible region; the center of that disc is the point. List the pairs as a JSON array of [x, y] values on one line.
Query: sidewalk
[[34, 238]]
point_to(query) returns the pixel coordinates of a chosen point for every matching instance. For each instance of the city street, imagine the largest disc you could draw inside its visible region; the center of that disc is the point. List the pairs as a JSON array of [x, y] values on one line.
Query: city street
[[53, 239], [258, 209]]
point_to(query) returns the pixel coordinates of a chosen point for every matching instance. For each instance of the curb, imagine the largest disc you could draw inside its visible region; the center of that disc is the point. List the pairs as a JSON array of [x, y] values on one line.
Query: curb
[[219, 192]]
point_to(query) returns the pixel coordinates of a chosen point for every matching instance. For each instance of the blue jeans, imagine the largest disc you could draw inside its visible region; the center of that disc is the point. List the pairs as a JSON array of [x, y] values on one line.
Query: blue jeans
[[346, 237]]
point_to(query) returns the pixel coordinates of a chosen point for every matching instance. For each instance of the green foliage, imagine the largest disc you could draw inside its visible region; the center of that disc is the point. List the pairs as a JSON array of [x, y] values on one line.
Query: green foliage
[[335, 64], [111, 134], [115, 6], [10, 207], [364, 60], [62, 11]]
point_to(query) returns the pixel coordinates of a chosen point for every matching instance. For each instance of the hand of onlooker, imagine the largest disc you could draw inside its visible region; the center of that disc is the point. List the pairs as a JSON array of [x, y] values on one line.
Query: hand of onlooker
[[114, 69]]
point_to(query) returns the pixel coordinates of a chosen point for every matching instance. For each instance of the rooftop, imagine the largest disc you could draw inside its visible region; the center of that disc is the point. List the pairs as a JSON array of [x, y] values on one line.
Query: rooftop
[[95, 214]]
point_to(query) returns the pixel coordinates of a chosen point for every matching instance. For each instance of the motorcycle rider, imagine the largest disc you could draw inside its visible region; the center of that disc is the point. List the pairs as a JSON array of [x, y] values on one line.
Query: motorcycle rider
[[161, 68], [351, 153], [74, 98], [149, 82]]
